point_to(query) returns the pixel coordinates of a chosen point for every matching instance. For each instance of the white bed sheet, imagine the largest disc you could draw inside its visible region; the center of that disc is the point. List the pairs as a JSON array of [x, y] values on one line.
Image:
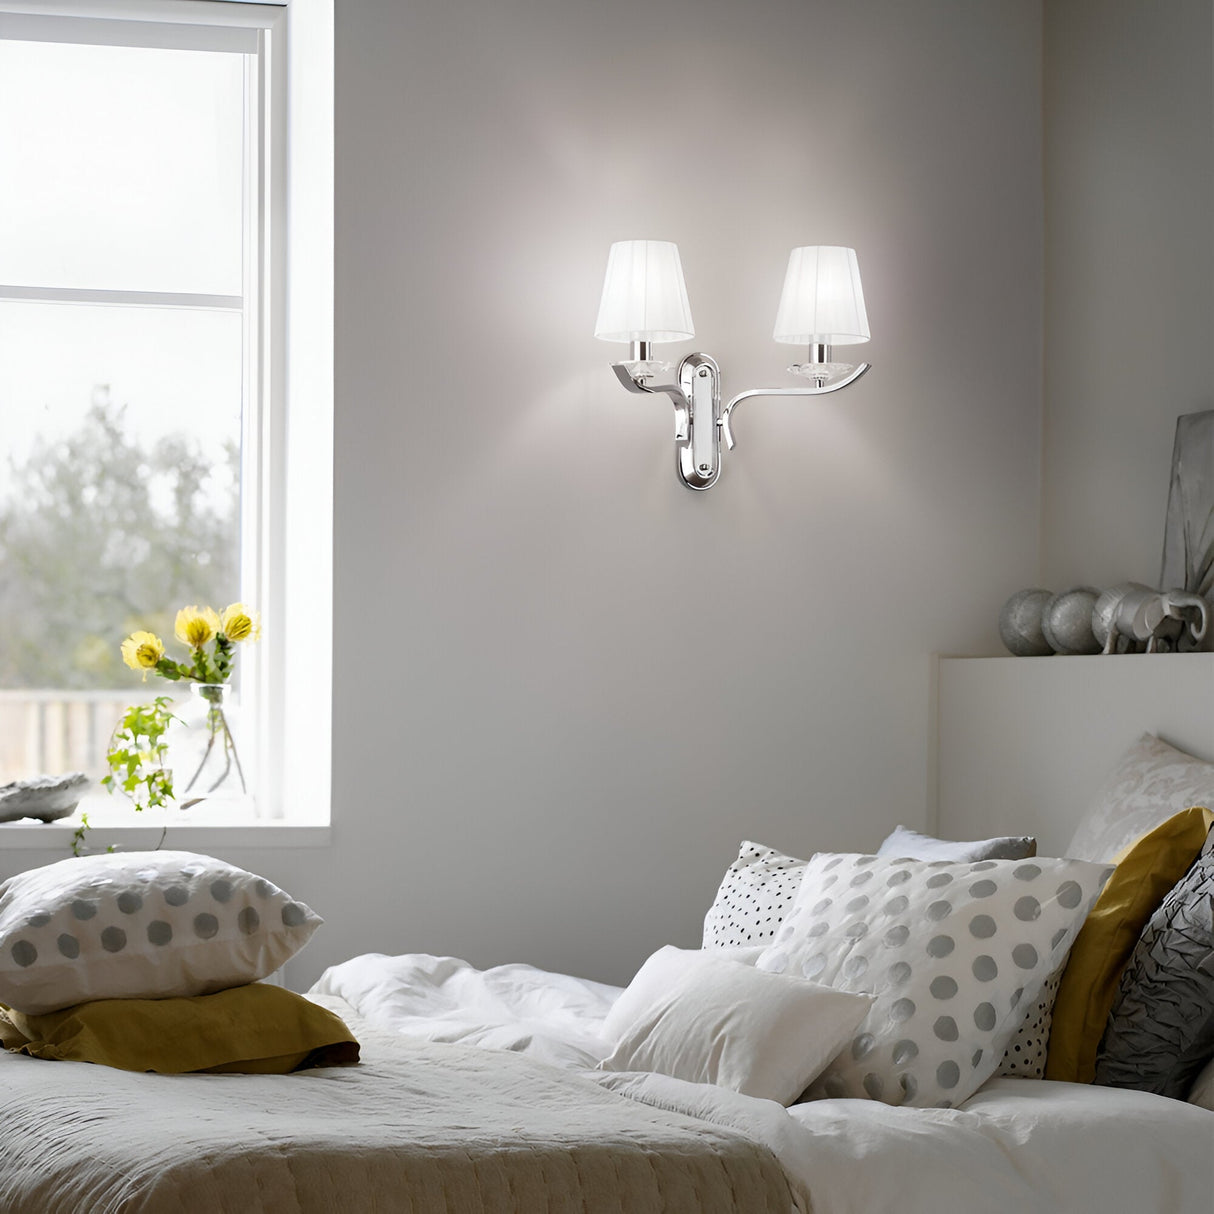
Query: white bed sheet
[[553, 1017], [1018, 1146]]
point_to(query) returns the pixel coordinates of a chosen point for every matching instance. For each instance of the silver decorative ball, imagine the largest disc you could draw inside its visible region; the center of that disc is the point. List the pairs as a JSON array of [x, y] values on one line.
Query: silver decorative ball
[[1020, 623], [1067, 621]]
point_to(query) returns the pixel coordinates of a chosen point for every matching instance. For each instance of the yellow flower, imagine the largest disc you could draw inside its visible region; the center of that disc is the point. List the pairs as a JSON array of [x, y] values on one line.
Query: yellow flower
[[240, 623], [196, 626], [141, 651]]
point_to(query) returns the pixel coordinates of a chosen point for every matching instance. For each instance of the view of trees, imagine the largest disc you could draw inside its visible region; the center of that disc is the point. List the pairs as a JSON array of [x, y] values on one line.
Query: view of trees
[[102, 532]]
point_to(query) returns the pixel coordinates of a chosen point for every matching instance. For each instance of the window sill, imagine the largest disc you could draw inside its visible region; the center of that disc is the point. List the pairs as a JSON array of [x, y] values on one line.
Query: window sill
[[58, 835]]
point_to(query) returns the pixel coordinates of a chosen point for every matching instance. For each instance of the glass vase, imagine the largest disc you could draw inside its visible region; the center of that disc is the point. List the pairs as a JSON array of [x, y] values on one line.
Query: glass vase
[[203, 751]]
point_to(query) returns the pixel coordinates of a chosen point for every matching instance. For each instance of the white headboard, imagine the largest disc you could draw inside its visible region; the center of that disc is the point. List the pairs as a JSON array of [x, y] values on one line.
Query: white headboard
[[1023, 744]]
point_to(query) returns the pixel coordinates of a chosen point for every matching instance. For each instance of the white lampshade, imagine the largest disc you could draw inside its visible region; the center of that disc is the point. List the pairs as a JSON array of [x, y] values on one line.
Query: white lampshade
[[644, 296], [823, 301]]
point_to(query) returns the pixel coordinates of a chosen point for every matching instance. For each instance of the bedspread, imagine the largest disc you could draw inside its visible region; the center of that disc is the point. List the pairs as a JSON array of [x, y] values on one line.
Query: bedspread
[[417, 1128]]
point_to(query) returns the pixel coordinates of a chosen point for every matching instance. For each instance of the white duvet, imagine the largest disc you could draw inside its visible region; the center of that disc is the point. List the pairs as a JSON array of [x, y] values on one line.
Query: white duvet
[[1018, 1146]]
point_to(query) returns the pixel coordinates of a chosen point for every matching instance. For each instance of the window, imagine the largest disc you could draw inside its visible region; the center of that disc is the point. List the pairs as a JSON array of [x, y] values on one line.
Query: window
[[154, 306]]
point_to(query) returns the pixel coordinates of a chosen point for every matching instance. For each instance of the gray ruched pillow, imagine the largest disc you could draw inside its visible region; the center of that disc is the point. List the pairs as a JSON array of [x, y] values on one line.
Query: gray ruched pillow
[[1161, 1030]]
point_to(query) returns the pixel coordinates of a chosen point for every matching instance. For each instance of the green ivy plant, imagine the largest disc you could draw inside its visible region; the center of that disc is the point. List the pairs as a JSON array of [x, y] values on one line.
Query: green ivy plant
[[136, 759], [78, 836], [136, 755]]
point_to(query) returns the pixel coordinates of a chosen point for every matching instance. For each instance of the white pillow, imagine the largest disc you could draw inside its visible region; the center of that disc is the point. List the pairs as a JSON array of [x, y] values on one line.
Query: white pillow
[[904, 842], [952, 952], [666, 967], [723, 1022], [141, 925], [1152, 782], [754, 896]]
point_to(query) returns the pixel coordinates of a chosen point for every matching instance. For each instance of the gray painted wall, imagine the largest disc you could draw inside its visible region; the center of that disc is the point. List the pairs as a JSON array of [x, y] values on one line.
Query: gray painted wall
[[1129, 285], [566, 687]]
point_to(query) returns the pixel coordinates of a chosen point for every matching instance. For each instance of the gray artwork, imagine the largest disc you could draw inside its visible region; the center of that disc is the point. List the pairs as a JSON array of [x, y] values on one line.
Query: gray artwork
[[1188, 544]]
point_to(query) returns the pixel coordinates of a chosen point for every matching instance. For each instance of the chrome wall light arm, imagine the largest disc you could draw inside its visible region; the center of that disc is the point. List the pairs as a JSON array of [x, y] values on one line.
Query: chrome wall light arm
[[820, 390], [645, 302], [697, 415]]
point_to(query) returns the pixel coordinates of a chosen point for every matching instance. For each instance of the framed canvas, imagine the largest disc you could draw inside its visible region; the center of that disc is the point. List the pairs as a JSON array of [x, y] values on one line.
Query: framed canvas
[[1188, 544]]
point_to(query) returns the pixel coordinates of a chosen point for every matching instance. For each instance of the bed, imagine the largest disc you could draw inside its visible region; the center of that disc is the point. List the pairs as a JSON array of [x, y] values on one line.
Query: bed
[[475, 1094], [491, 1090], [1018, 1146]]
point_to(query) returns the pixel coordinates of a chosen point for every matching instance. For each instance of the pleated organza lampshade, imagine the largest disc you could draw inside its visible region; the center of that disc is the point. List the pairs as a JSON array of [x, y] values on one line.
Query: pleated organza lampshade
[[644, 296], [823, 301]]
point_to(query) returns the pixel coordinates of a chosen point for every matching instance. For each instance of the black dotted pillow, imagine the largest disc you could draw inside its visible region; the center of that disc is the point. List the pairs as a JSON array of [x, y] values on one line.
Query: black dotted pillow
[[1025, 1056], [755, 894]]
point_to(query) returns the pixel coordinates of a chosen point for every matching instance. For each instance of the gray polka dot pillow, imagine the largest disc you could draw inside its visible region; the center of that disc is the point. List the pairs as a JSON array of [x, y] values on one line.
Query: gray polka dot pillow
[[953, 953], [141, 925], [755, 895]]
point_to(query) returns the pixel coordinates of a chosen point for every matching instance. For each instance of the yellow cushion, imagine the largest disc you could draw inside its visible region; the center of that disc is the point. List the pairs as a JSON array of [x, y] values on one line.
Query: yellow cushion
[[256, 1028], [1145, 872]]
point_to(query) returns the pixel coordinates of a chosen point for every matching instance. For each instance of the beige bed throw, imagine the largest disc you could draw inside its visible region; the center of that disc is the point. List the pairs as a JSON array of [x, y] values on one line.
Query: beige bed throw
[[418, 1128]]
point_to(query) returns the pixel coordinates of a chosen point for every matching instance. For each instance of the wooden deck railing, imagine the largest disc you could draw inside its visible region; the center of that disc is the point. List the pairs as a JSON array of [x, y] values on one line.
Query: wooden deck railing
[[48, 732]]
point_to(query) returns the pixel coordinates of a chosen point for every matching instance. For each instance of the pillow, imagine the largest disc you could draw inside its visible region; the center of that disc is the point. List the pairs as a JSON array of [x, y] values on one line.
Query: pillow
[[720, 1021], [1025, 1055], [141, 925], [910, 843], [667, 966], [1144, 874], [1202, 1092], [1161, 1030], [952, 952], [1153, 782], [259, 1029], [761, 883], [756, 891]]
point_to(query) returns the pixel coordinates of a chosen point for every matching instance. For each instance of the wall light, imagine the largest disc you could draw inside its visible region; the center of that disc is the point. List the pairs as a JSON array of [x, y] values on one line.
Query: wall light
[[645, 303]]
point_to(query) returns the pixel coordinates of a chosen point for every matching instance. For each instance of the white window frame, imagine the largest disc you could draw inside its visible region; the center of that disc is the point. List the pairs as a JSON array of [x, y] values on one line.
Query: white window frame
[[287, 444]]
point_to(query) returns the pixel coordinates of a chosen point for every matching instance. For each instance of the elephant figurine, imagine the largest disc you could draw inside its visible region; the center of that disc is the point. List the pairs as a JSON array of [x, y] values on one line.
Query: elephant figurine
[[1133, 618], [1194, 612]]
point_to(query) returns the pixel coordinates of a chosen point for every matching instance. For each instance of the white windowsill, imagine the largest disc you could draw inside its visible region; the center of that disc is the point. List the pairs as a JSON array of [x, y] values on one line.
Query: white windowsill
[[56, 835]]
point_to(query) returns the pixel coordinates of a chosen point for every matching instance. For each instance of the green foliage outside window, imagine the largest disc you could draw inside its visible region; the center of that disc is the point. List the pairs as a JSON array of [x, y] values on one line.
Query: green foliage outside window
[[96, 526]]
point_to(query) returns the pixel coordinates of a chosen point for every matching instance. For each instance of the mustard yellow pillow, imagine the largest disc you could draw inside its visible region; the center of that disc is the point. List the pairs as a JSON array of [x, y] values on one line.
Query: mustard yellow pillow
[[256, 1029], [1145, 872]]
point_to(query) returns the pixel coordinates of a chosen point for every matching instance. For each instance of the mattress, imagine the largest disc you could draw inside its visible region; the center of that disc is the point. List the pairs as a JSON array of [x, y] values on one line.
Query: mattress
[[416, 1128]]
